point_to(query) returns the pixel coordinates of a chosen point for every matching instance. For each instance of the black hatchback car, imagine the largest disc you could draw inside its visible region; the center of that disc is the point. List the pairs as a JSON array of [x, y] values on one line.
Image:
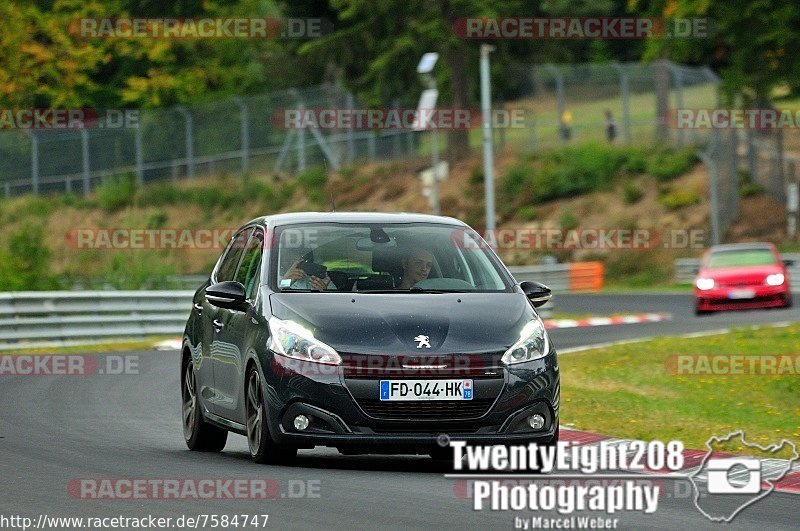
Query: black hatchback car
[[367, 332]]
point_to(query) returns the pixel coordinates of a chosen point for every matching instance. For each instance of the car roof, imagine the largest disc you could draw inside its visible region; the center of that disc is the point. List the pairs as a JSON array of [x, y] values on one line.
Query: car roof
[[742, 247], [352, 217]]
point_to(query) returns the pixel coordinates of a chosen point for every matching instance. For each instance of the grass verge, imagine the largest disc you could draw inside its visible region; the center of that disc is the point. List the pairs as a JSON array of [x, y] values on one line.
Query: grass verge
[[627, 390], [123, 345]]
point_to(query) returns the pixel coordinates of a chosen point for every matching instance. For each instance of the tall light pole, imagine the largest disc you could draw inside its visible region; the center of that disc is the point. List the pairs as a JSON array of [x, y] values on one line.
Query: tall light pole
[[488, 148], [428, 101]]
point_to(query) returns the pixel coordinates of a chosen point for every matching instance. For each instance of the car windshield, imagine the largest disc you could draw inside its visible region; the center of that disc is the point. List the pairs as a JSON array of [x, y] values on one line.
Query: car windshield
[[741, 257], [391, 258]]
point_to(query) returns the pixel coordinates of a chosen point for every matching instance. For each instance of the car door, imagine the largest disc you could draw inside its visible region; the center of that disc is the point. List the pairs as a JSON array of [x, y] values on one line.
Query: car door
[[232, 338], [214, 319]]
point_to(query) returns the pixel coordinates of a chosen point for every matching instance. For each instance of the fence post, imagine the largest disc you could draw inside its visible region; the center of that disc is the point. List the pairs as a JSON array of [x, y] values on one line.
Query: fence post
[[7, 189], [396, 147], [751, 156], [301, 143], [780, 185], [560, 100], [713, 183], [34, 162], [677, 77], [371, 145], [85, 160], [245, 134], [501, 129], [189, 142], [139, 154], [351, 145], [624, 89]]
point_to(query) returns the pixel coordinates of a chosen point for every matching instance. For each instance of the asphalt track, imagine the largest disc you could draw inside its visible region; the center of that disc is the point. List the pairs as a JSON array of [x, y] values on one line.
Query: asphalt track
[[57, 429]]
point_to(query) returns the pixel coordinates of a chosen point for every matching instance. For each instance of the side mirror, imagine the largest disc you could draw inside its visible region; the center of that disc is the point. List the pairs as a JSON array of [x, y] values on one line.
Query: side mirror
[[229, 294], [537, 293], [788, 262]]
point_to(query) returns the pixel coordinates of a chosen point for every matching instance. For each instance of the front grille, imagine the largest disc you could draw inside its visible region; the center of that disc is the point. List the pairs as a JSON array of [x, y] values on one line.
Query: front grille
[[428, 409], [739, 283]]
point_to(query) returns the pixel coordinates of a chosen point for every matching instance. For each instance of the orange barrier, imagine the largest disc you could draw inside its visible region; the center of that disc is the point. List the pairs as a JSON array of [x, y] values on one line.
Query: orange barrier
[[586, 276]]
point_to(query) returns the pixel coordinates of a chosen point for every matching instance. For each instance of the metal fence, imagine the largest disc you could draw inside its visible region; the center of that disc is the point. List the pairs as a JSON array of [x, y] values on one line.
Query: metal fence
[[568, 103], [562, 104], [236, 136], [68, 317]]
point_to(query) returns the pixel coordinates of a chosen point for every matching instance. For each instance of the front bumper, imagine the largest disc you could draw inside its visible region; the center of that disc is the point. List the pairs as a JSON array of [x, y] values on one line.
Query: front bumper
[[718, 299], [343, 411]]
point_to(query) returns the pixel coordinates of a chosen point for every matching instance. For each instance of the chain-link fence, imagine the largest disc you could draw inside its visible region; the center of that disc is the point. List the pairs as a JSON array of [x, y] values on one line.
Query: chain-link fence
[[769, 159], [237, 135], [562, 104], [575, 103]]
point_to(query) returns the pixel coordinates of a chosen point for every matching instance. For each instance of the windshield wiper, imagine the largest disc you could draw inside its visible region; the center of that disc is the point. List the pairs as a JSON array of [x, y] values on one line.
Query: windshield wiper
[[424, 290], [301, 290]]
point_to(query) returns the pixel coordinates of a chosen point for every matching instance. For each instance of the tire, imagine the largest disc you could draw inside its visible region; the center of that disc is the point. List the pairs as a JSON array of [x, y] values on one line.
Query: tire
[[198, 434], [263, 449]]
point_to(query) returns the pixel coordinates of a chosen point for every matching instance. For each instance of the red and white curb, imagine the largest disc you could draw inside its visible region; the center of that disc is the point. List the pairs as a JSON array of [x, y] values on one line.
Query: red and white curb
[[692, 460], [607, 321]]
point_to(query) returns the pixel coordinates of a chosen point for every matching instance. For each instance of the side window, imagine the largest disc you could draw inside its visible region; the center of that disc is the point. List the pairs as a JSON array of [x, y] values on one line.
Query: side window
[[227, 267], [251, 260]]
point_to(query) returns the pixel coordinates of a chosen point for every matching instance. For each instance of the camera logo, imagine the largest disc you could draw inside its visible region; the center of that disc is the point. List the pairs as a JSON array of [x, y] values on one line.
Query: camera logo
[[725, 484], [738, 475]]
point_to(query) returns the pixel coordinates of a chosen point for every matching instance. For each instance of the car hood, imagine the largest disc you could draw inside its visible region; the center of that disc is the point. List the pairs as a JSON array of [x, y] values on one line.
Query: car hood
[[741, 273], [392, 323]]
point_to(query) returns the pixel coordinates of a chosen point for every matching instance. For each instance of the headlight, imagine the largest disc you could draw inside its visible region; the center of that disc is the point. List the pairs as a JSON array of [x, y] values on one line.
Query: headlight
[[294, 341], [532, 344], [705, 283], [775, 280]]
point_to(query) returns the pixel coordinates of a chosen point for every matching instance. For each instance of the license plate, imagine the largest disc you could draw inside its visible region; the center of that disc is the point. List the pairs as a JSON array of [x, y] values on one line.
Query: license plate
[[426, 390], [741, 294]]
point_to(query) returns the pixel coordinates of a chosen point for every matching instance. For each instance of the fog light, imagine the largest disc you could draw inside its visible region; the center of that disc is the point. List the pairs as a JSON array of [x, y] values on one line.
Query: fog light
[[301, 422], [535, 421]]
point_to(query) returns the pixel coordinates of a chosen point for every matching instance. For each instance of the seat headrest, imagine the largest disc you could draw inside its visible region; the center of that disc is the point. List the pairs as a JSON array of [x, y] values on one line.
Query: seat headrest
[[387, 260]]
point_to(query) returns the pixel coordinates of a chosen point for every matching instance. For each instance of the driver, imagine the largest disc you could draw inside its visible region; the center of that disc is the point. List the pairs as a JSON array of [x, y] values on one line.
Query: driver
[[417, 266]]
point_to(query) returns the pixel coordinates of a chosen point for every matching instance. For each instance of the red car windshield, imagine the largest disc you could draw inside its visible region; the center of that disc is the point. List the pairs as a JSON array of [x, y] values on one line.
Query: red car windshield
[[739, 258]]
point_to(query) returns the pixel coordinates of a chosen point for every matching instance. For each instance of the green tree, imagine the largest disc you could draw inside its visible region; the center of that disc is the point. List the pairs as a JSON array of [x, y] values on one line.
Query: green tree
[[752, 43]]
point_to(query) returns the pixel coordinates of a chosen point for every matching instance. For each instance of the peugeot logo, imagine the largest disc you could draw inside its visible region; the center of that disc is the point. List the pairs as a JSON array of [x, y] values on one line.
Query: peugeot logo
[[423, 341]]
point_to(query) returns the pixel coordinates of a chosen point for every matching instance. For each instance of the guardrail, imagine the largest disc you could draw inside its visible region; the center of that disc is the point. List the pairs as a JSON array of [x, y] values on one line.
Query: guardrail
[[53, 318], [579, 276], [686, 269], [33, 318]]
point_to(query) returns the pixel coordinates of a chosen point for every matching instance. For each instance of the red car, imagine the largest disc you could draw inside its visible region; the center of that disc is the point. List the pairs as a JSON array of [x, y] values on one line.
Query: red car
[[741, 276]]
